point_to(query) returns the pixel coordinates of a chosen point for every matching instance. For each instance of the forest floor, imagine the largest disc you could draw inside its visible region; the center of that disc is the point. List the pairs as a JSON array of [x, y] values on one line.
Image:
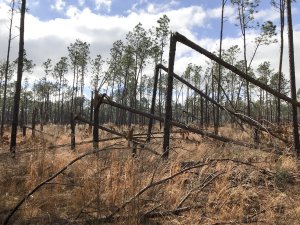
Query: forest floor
[[203, 182]]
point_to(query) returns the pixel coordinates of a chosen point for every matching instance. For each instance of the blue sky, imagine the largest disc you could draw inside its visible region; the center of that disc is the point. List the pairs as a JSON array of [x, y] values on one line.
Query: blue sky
[[51, 25]]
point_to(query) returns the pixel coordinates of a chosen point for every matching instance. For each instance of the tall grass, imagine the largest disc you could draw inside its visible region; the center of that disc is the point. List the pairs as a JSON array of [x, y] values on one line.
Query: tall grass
[[234, 185]]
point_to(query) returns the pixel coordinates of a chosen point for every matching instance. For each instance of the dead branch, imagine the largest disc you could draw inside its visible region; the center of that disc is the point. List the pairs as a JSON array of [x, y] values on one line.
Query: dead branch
[[134, 140], [149, 215], [84, 142], [39, 131], [196, 165], [49, 179], [172, 212], [199, 187], [82, 208], [150, 185], [183, 126], [152, 210]]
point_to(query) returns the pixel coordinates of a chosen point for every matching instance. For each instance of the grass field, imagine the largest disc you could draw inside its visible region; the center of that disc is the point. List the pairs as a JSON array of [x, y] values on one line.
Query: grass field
[[203, 182]]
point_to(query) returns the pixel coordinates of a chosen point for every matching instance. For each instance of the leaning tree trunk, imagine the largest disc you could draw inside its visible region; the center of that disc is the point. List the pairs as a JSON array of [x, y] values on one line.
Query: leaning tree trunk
[[19, 81], [292, 75]]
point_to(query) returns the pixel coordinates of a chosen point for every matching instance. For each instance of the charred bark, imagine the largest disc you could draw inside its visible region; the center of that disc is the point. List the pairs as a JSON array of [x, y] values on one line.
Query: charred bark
[[168, 115]]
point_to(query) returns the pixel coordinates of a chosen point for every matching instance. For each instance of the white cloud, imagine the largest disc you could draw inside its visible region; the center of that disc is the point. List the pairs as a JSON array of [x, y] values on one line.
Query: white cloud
[[154, 8], [72, 11], [144, 6], [229, 12], [103, 4], [58, 5], [267, 15], [7, 1], [49, 39], [81, 2], [4, 11]]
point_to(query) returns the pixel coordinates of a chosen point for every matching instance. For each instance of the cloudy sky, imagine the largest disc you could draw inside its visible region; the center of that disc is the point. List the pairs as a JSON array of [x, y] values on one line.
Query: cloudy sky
[[51, 25]]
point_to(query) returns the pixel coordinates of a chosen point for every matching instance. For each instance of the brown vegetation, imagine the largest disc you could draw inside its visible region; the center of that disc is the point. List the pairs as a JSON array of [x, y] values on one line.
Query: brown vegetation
[[203, 182]]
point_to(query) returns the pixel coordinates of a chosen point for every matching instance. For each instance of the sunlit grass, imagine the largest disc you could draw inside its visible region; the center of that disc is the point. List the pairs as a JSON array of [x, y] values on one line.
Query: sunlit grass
[[263, 189]]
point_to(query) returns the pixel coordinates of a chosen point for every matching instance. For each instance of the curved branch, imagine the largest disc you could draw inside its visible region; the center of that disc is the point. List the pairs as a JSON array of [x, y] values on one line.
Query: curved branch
[[47, 180]]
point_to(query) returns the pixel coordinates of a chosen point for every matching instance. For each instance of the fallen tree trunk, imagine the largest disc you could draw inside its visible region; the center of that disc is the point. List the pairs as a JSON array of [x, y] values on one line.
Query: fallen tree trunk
[[177, 124], [134, 140], [179, 37], [234, 114], [39, 131]]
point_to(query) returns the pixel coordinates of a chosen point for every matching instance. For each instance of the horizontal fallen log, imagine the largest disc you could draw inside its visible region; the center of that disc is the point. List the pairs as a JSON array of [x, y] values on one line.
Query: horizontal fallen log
[[79, 118], [116, 138], [173, 132], [84, 142], [144, 217], [39, 131], [180, 125], [134, 140], [172, 212]]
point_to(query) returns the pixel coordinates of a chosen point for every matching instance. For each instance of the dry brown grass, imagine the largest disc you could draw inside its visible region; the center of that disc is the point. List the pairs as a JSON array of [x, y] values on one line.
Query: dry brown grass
[[231, 185]]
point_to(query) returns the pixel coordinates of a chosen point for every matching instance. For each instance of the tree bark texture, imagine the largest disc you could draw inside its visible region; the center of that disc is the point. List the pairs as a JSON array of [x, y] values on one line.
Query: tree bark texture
[[156, 73], [6, 71], [168, 115], [19, 81], [292, 76]]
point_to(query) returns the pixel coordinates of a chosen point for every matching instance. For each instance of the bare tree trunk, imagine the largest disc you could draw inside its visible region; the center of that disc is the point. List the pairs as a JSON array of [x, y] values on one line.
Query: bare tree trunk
[[91, 109], [42, 114], [33, 121], [62, 113], [156, 73], [96, 123], [26, 109], [281, 8], [213, 97], [206, 108], [21, 124], [160, 99], [97, 102], [6, 70], [201, 112], [19, 81], [292, 75], [220, 69], [168, 116], [72, 124]]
